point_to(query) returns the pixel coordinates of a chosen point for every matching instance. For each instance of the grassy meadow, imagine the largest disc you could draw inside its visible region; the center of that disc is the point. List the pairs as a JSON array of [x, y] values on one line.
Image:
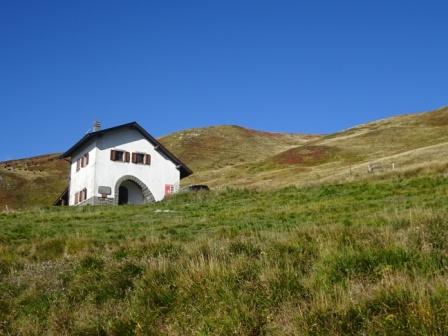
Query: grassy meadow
[[366, 257]]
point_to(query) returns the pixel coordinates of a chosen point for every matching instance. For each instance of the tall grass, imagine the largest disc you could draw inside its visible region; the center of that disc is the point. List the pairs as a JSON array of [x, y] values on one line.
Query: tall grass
[[360, 258]]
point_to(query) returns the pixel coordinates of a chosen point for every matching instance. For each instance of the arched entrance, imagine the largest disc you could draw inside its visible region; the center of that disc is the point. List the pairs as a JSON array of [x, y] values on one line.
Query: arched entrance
[[130, 190], [123, 195]]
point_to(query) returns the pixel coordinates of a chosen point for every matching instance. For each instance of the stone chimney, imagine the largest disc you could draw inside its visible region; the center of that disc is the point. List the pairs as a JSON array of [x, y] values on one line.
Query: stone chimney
[[96, 126]]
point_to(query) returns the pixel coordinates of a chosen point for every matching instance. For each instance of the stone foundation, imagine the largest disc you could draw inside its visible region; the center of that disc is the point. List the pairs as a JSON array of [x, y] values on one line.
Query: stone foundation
[[95, 200]]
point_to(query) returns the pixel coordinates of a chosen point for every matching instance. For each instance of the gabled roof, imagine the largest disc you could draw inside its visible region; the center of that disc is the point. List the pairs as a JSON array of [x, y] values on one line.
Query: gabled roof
[[184, 170]]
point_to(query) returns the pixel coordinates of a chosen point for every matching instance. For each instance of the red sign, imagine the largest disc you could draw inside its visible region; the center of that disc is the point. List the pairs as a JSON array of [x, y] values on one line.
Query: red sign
[[169, 188]]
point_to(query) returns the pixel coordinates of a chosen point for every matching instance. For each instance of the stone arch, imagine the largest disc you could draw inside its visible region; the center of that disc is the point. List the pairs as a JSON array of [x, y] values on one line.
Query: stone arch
[[147, 195]]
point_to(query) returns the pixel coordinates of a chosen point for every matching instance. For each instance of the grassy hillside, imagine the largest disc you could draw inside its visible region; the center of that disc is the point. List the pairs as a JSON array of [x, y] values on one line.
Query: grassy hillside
[[38, 181], [355, 258], [408, 142], [235, 156], [222, 146], [35, 181]]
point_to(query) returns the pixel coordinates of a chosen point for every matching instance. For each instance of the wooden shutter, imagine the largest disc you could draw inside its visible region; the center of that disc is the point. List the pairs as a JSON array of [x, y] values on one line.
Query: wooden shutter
[[112, 155], [78, 164], [84, 194], [127, 156], [147, 159], [87, 159], [134, 158], [76, 198]]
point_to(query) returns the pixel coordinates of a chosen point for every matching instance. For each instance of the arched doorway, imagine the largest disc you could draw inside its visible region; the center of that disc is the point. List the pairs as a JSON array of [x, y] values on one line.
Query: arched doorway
[[130, 190], [123, 195]]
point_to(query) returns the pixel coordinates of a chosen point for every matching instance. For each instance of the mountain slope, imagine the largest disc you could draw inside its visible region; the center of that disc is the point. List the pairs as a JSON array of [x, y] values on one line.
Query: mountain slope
[[398, 144], [35, 181], [235, 156], [220, 146]]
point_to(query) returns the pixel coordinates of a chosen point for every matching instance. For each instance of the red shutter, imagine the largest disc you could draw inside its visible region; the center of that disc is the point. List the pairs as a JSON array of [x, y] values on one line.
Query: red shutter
[[147, 159], [127, 156], [112, 155], [87, 159], [134, 158]]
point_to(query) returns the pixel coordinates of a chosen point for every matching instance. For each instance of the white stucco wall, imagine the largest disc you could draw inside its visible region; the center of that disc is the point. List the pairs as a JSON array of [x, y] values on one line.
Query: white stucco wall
[[84, 177], [105, 172]]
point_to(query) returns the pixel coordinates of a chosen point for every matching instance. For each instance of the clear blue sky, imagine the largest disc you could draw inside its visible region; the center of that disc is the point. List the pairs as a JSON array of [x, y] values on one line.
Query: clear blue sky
[[292, 66]]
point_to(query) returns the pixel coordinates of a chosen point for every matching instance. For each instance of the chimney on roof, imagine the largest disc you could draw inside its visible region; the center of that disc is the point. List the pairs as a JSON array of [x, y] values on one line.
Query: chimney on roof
[[96, 126]]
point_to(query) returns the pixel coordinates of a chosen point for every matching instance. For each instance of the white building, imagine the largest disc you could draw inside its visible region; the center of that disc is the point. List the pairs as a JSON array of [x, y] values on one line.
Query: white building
[[121, 165]]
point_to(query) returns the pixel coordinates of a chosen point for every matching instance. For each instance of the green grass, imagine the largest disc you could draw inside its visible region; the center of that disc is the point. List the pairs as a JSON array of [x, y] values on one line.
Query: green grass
[[358, 258]]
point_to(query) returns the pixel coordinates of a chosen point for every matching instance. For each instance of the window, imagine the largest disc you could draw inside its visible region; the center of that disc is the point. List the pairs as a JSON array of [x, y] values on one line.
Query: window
[[85, 160], [82, 161], [118, 155], [81, 196], [138, 158], [141, 158], [123, 156]]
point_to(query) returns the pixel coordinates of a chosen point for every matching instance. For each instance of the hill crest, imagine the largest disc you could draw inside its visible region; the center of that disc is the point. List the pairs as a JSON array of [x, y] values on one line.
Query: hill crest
[[231, 155]]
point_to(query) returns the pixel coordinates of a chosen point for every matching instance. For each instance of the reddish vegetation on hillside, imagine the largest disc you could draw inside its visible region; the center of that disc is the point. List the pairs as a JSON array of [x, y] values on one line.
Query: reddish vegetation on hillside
[[305, 155], [220, 146]]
